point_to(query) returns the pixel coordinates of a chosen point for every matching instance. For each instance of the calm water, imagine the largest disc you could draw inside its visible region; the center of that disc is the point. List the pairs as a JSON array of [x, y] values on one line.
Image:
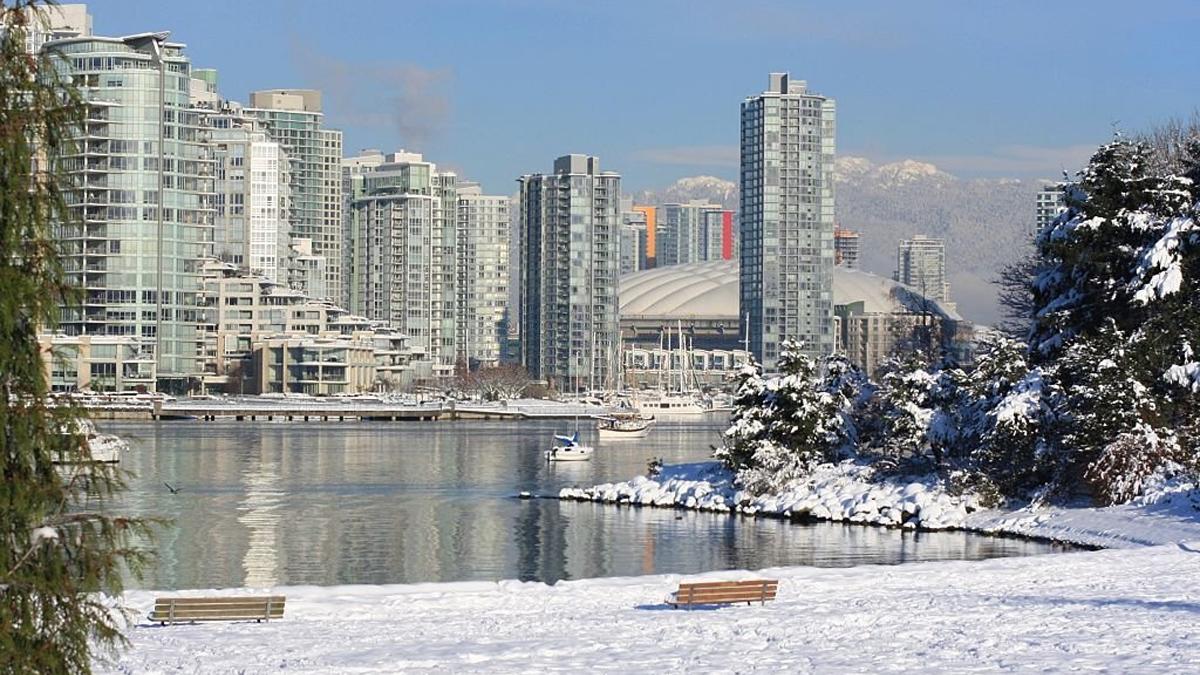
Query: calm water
[[372, 503]]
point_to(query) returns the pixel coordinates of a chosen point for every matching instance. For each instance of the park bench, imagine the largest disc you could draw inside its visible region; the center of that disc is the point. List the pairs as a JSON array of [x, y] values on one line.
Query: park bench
[[244, 608], [724, 592]]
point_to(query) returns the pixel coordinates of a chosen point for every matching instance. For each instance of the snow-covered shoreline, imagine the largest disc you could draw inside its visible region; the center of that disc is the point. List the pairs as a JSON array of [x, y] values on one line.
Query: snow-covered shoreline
[[846, 493]]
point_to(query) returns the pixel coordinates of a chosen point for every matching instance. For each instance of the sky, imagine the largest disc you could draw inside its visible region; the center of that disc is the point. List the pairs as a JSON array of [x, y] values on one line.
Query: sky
[[494, 89]]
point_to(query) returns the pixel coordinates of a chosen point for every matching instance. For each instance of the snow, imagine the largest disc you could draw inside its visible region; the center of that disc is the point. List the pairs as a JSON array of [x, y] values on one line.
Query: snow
[[1163, 256], [1168, 512], [1128, 608], [1186, 375], [1100, 610], [841, 492]]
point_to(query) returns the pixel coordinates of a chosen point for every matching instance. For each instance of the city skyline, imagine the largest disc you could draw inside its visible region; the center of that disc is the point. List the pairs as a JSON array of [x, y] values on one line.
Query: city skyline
[[456, 76]]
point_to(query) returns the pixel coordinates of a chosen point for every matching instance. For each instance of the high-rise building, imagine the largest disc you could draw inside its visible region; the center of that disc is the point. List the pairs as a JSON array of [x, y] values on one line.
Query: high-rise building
[[717, 240], [846, 248], [921, 263], [251, 228], [55, 22], [481, 261], [570, 222], [633, 239], [402, 266], [141, 192], [293, 118], [651, 218], [1051, 201], [787, 259], [353, 169], [680, 236]]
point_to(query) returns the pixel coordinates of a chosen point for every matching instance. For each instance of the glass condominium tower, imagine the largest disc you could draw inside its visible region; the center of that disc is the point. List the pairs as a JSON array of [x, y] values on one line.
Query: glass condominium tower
[[570, 224], [293, 118], [140, 194], [787, 254]]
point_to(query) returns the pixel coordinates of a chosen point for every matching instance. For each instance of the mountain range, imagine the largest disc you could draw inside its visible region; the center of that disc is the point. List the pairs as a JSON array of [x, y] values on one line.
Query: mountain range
[[985, 221]]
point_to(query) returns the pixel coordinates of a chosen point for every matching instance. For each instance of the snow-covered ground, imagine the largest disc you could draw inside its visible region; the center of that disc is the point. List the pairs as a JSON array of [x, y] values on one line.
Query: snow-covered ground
[[1130, 608]]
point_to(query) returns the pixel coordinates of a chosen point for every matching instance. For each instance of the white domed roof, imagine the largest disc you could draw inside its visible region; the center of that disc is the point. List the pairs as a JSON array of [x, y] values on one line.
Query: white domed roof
[[710, 290]]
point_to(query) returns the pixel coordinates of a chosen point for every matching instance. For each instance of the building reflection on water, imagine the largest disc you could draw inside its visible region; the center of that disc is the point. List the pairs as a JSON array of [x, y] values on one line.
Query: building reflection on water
[[264, 504]]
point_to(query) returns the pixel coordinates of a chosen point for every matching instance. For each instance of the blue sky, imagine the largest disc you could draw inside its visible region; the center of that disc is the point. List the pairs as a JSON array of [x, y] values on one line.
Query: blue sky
[[496, 89]]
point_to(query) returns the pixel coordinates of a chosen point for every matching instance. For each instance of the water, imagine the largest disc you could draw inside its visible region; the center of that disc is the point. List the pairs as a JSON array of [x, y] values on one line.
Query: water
[[263, 503]]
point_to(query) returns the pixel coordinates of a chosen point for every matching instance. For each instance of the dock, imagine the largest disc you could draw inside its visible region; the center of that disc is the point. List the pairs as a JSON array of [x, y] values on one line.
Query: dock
[[255, 409]]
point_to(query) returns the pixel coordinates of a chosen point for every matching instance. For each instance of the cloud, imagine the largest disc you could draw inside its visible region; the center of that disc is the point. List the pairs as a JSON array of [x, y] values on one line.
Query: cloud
[[405, 98], [1016, 161], [691, 155]]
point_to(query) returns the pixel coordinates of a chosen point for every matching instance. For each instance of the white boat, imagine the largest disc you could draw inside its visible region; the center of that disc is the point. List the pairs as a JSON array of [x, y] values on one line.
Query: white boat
[[673, 403], [620, 426], [568, 449], [105, 448]]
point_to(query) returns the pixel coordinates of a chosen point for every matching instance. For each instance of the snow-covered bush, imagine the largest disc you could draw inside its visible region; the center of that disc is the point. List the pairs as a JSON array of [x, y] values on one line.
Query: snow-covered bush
[[1127, 463]]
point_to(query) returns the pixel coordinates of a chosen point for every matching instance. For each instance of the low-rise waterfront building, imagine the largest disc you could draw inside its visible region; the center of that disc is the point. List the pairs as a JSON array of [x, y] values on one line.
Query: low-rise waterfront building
[[243, 310], [97, 362]]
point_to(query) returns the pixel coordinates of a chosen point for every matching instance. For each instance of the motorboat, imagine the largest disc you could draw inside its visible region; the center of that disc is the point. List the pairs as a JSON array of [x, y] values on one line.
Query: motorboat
[[671, 404], [624, 425], [568, 449]]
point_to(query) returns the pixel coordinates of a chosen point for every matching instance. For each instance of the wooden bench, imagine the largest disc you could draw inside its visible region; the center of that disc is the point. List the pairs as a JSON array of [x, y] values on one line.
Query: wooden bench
[[724, 592], [243, 608]]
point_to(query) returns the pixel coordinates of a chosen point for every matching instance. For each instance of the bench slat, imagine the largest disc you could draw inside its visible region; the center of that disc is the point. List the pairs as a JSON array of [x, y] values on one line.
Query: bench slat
[[217, 601], [215, 605], [728, 584], [726, 591]]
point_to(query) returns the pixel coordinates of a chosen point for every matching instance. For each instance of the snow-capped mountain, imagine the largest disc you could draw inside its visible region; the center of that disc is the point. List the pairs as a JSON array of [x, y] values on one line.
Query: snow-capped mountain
[[710, 188], [985, 221]]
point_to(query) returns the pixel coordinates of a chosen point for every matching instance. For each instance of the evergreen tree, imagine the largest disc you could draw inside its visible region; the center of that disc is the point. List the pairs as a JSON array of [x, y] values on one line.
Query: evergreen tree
[[904, 407], [59, 549], [1117, 308], [1111, 433], [783, 426], [851, 389], [1012, 421]]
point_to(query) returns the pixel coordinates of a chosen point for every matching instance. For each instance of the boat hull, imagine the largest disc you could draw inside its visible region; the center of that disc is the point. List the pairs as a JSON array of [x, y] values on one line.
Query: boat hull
[[616, 435], [577, 453]]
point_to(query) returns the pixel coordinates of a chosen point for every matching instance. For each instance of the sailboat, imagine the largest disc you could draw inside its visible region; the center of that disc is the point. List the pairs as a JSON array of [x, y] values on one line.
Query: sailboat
[[622, 425], [568, 449], [669, 400]]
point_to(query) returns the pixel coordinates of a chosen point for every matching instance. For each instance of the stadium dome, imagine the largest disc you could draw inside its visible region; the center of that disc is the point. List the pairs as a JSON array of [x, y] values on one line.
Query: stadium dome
[[709, 290]]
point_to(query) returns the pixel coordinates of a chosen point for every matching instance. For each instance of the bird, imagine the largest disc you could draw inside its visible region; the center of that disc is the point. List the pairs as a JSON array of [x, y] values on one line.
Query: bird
[[174, 490]]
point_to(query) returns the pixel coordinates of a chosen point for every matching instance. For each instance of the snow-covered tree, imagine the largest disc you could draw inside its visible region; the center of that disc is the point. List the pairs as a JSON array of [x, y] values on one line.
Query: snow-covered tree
[[903, 407], [782, 426], [1012, 421], [851, 389], [1116, 250], [1117, 307], [1111, 429]]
